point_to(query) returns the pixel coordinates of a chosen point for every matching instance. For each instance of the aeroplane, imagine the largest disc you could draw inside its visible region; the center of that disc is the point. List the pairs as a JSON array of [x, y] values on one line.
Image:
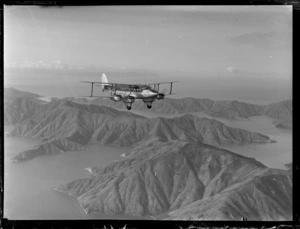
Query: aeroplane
[[128, 93]]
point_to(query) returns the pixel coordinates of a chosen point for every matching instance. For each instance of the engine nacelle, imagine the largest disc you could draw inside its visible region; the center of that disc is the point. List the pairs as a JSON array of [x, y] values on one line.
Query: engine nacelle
[[160, 96], [149, 100], [116, 98], [129, 99]]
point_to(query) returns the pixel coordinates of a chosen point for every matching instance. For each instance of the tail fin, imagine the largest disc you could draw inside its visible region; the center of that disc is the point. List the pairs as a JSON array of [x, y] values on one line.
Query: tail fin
[[104, 80]]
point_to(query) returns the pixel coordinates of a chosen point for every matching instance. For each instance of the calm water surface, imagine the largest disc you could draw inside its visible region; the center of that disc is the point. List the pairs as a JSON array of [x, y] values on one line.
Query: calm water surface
[[273, 155], [28, 194]]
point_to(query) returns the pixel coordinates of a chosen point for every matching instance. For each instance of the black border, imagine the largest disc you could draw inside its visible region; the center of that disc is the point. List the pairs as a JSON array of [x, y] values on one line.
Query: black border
[[130, 224]]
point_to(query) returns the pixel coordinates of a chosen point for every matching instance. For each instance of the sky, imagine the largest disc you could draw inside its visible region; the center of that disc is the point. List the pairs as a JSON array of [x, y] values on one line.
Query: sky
[[219, 52]]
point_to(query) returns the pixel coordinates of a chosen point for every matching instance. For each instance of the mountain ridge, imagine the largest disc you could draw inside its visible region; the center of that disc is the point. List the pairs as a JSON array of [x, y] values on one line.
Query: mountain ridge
[[255, 200], [280, 111], [20, 109], [230, 109], [171, 176], [48, 148], [83, 124]]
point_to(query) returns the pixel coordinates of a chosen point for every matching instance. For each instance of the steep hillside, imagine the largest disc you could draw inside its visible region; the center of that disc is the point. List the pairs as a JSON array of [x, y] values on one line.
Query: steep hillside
[[268, 196], [163, 177], [61, 119], [20, 109], [282, 112], [167, 106], [48, 148], [12, 93], [82, 124], [225, 109], [210, 131], [234, 109]]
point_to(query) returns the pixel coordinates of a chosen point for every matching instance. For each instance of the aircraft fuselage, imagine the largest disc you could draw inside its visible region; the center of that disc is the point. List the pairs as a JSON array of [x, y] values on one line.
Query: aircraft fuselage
[[125, 91]]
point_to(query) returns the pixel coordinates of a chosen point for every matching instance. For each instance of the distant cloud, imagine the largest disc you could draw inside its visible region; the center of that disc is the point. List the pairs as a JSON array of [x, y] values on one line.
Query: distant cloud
[[232, 69], [264, 40]]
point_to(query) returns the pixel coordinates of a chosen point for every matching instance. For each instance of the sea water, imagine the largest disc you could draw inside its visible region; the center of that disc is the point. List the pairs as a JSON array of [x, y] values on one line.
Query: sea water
[[28, 185], [273, 155]]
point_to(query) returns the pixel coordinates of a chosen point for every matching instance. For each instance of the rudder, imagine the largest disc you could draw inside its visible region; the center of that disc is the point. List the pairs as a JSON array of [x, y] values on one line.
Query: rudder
[[104, 80]]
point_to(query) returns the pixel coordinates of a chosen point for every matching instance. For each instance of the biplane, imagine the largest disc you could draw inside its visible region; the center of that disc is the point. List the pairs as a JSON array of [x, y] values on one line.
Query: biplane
[[128, 93]]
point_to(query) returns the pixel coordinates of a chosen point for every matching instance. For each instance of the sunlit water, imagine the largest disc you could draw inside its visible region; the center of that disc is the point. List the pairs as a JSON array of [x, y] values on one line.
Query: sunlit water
[[28, 184]]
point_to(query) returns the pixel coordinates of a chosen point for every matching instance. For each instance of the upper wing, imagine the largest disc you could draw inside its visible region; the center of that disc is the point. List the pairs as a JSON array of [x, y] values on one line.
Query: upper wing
[[92, 82], [132, 85], [155, 86], [162, 83], [118, 84]]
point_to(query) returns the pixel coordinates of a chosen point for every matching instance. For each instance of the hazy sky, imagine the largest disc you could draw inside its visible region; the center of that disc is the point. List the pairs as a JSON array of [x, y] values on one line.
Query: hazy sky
[[241, 43]]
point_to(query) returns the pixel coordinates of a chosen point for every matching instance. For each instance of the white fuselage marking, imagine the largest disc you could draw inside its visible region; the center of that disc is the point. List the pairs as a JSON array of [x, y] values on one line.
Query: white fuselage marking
[[142, 94]]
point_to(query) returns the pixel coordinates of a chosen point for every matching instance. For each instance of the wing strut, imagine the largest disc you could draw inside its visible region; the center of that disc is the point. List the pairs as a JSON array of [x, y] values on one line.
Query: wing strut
[[92, 89], [156, 85]]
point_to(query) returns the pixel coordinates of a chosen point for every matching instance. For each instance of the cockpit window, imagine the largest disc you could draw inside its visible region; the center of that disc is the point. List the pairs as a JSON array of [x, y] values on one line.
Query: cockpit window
[[145, 87]]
